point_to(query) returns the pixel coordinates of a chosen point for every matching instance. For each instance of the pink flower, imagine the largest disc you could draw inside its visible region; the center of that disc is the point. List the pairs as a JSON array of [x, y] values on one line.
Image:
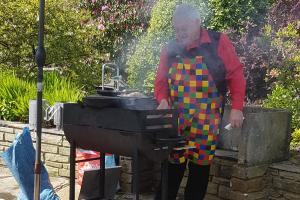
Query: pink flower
[[103, 8], [101, 27], [100, 19], [274, 73], [111, 18]]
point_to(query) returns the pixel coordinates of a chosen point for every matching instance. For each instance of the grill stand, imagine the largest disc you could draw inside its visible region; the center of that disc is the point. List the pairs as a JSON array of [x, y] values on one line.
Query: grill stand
[[72, 170], [164, 178], [136, 173], [102, 175]]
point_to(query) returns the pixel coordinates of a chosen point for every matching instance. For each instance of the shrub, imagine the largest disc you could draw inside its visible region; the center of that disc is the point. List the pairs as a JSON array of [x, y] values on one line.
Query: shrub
[[285, 98], [284, 71], [296, 139], [266, 48], [234, 13], [15, 94], [60, 89], [14, 97]]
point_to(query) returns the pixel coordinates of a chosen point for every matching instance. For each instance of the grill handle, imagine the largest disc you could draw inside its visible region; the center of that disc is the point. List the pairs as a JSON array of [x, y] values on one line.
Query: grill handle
[[169, 140]]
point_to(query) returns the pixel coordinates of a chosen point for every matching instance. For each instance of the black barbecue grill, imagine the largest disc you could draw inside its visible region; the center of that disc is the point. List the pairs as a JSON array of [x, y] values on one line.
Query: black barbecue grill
[[128, 126]]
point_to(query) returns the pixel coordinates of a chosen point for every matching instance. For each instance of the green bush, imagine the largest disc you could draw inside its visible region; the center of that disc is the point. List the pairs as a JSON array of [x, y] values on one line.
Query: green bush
[[263, 47], [285, 98], [284, 71], [14, 97], [15, 94], [295, 139], [234, 13], [58, 89]]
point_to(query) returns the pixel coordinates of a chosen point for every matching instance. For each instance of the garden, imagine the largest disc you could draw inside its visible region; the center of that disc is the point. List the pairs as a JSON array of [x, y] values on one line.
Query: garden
[[81, 35]]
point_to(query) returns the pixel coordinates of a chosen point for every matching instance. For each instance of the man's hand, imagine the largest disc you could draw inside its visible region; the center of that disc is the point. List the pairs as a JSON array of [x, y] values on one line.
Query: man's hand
[[236, 118], [163, 104]]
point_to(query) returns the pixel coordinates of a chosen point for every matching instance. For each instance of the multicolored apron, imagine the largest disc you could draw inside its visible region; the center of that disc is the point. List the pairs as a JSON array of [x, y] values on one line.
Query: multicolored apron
[[193, 92]]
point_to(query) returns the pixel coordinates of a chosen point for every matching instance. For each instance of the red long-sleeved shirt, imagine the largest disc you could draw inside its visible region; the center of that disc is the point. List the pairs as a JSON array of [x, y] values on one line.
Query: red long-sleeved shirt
[[234, 71]]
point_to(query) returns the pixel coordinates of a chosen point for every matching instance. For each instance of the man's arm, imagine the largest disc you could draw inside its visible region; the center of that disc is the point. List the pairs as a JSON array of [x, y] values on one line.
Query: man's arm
[[235, 79], [161, 87]]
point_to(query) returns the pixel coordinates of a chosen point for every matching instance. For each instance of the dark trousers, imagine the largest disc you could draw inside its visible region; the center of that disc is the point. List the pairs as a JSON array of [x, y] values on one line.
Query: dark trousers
[[196, 184]]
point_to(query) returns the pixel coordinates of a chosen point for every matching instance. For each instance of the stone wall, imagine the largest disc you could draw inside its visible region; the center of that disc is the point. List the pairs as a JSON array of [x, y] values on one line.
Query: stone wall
[[228, 178], [285, 180], [55, 147]]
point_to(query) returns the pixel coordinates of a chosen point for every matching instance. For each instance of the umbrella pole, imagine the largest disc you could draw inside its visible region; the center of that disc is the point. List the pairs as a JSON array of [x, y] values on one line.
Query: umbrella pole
[[40, 60]]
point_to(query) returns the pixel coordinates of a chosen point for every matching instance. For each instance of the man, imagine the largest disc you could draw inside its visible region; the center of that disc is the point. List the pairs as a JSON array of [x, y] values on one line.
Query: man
[[194, 72]]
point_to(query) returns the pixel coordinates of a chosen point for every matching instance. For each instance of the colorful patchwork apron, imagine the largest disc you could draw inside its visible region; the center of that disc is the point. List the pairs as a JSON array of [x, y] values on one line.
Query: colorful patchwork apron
[[193, 92]]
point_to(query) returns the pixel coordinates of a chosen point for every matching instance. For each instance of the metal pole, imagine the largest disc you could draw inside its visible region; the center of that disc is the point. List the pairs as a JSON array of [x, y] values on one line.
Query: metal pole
[[102, 176], [40, 60], [136, 174], [72, 170]]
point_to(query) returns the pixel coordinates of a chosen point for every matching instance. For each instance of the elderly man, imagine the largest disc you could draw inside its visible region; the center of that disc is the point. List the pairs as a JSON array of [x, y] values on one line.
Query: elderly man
[[194, 73]]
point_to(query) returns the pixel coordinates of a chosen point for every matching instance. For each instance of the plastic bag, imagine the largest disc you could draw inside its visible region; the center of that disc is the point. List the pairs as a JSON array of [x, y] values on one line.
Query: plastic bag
[[82, 154], [20, 159]]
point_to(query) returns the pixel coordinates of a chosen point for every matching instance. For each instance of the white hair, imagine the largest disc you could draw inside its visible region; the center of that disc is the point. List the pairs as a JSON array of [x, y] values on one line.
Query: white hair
[[186, 11]]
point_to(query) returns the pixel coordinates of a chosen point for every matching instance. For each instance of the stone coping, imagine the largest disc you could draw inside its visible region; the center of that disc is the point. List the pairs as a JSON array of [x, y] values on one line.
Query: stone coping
[[286, 166], [226, 154], [53, 131], [20, 125]]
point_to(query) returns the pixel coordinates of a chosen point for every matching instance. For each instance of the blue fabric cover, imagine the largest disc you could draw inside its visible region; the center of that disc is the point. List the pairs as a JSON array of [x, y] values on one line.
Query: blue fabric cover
[[20, 159]]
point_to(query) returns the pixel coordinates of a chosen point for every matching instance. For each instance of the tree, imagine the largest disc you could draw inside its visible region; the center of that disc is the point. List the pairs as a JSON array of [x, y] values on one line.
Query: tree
[[119, 23], [68, 41]]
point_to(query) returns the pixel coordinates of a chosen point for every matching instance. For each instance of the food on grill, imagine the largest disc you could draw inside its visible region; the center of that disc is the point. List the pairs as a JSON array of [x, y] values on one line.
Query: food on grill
[[133, 94]]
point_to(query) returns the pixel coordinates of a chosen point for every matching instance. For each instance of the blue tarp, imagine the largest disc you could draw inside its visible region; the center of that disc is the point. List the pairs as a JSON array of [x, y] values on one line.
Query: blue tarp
[[20, 159]]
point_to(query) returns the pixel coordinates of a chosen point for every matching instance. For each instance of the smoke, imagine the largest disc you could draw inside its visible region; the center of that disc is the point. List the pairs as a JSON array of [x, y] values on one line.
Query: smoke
[[143, 62], [205, 12]]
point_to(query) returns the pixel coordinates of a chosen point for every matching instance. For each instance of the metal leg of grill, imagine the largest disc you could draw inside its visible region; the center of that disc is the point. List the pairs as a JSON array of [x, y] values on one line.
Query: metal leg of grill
[[72, 171], [136, 174], [102, 175], [164, 171]]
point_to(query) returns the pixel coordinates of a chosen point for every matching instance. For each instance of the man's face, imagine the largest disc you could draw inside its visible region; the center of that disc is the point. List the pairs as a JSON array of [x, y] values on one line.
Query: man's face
[[187, 31]]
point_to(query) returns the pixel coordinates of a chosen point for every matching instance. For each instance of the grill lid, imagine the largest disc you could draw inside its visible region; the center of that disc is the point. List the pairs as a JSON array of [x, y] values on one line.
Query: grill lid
[[124, 102]]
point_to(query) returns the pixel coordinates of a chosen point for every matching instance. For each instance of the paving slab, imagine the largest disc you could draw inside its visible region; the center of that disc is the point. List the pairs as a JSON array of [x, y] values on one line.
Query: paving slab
[[9, 188]]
